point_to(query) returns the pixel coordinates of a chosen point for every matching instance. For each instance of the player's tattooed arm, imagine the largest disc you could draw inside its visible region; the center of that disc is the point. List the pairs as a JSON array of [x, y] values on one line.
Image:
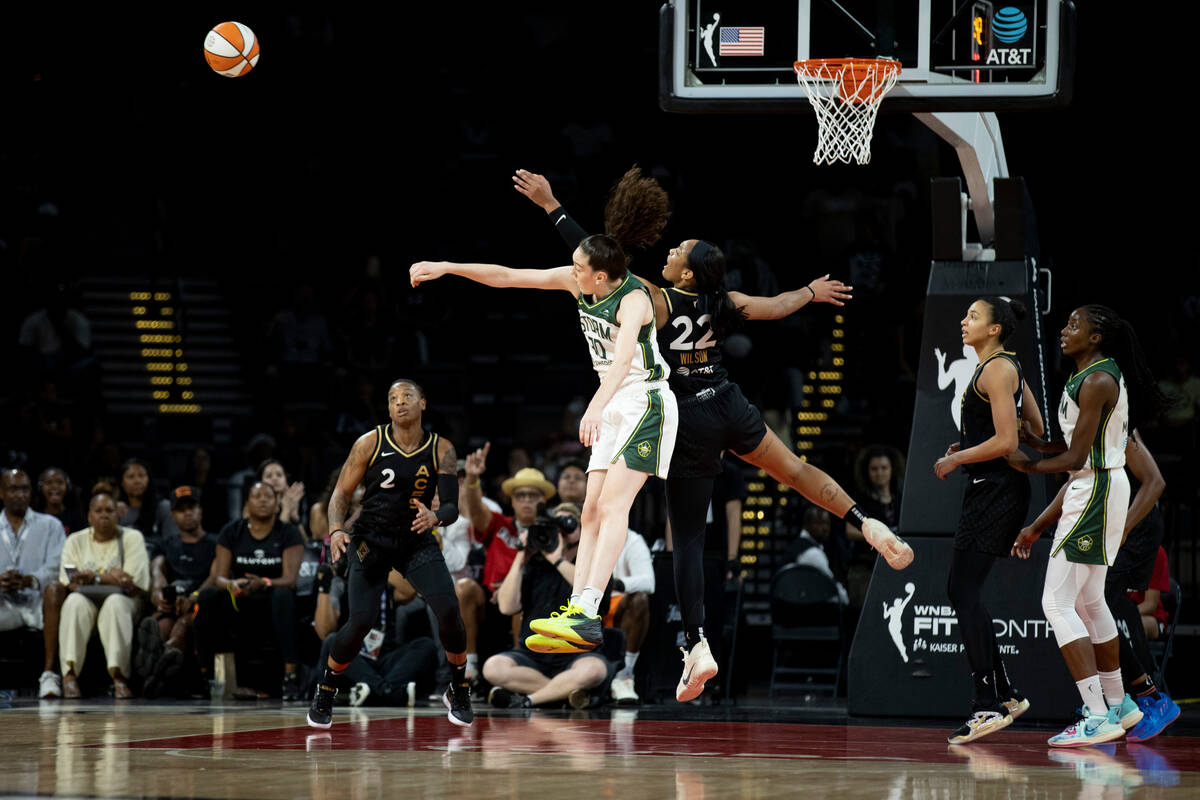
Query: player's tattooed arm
[[447, 458], [339, 500]]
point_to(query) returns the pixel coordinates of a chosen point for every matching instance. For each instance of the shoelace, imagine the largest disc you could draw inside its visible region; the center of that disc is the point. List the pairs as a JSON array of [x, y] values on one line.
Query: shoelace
[[562, 612]]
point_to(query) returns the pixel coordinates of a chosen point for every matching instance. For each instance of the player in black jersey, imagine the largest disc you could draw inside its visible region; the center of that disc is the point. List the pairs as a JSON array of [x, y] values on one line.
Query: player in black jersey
[[995, 503], [692, 317], [402, 466]]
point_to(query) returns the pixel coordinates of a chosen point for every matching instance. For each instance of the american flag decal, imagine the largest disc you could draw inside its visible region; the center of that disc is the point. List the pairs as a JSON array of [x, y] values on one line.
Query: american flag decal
[[741, 41]]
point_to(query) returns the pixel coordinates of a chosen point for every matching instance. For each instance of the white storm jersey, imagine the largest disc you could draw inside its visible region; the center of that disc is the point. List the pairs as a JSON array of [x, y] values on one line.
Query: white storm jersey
[[1107, 450], [599, 322]]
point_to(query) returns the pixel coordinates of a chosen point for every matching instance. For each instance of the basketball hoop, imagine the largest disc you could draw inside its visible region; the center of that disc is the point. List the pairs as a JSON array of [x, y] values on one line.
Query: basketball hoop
[[845, 93]]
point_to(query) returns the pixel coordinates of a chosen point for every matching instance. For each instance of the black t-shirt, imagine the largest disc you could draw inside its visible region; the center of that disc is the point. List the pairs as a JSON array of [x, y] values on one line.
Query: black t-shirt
[[261, 557], [543, 590], [187, 562]]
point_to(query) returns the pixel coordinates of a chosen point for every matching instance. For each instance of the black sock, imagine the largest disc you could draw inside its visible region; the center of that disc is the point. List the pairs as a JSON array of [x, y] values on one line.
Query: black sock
[[855, 516], [1145, 688], [331, 678], [985, 689], [460, 673], [691, 635], [1003, 686]]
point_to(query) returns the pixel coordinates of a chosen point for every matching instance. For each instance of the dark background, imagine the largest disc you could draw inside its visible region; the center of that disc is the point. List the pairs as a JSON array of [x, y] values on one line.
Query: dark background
[[367, 140]]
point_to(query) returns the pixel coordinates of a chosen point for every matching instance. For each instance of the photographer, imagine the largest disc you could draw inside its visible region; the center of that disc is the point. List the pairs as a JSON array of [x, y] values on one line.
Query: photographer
[[179, 568], [541, 575]]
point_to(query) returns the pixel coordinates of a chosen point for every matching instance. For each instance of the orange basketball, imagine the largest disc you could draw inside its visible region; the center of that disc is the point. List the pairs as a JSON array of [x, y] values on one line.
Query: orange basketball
[[231, 49]]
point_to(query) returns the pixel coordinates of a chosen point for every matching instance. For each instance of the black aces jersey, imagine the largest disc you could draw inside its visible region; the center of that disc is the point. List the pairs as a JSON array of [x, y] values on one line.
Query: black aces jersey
[[976, 416], [688, 344], [393, 483]]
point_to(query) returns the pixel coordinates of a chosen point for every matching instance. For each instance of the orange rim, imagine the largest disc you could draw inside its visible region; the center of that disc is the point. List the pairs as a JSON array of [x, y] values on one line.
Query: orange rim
[[851, 72]]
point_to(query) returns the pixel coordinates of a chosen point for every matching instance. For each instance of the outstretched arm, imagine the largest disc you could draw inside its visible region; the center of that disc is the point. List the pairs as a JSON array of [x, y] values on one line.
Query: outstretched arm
[[496, 275], [820, 290]]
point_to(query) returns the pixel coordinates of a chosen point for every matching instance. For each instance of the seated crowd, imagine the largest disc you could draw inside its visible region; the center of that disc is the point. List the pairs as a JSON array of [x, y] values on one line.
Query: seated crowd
[[177, 600]]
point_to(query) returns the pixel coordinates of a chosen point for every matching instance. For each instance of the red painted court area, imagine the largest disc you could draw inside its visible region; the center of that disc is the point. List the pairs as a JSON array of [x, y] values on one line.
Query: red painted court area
[[617, 736]]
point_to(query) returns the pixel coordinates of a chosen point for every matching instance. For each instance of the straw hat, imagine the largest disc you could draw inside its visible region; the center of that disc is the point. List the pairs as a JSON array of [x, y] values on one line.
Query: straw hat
[[529, 477]]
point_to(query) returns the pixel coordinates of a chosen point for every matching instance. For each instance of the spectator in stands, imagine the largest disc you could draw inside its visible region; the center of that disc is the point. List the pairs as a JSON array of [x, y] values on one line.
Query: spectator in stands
[[198, 473], [259, 449], [387, 670], [495, 531], [318, 516], [30, 549], [302, 346], [1150, 606], [105, 570], [809, 547], [572, 483], [137, 495], [59, 337], [180, 566], [292, 510], [56, 497], [1182, 390], [253, 587], [629, 608], [535, 585], [878, 473]]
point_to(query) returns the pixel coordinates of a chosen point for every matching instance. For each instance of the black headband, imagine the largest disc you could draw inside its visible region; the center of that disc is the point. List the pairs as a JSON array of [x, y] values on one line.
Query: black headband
[[700, 249]]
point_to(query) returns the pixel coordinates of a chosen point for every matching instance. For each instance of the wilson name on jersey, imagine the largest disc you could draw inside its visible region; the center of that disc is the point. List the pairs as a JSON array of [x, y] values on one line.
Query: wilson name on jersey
[[394, 482], [688, 343], [1107, 449], [598, 319]]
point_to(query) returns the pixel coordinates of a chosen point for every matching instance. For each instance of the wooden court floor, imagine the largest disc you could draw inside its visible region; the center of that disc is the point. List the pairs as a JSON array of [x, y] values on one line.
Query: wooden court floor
[[263, 751]]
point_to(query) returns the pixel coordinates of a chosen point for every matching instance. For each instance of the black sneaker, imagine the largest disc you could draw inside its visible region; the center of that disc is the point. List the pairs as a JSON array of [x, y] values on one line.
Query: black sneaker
[[161, 681], [458, 700], [499, 697], [291, 687], [320, 713]]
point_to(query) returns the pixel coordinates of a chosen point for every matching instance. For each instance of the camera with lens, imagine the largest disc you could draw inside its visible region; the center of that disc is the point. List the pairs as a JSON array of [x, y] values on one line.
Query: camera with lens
[[543, 534]]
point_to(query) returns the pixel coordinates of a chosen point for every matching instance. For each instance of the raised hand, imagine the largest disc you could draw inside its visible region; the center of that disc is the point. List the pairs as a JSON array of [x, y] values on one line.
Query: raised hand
[[477, 462], [830, 290], [536, 188]]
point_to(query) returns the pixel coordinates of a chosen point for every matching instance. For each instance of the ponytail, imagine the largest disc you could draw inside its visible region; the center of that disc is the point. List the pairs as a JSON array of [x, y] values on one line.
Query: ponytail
[[636, 211], [1006, 313], [1119, 341], [707, 263]]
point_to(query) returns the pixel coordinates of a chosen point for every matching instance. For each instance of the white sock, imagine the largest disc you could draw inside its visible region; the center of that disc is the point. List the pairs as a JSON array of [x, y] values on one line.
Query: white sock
[[473, 660], [590, 600], [1093, 695], [574, 601], [630, 661], [1114, 689]]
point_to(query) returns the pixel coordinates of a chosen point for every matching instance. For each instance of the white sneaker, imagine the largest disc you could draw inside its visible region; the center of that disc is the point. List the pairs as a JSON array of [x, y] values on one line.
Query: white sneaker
[[49, 685], [359, 693], [698, 668], [623, 691], [1092, 729], [897, 551]]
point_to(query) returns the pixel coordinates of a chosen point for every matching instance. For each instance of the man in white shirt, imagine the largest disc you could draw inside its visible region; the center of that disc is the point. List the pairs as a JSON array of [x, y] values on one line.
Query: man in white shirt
[[809, 547], [30, 548]]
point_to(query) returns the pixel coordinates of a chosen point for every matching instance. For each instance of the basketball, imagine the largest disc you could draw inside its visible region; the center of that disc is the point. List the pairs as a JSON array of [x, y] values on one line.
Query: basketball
[[231, 49]]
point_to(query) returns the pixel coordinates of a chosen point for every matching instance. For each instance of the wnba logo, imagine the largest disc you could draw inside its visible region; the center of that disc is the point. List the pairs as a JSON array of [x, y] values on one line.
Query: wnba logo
[[1009, 25]]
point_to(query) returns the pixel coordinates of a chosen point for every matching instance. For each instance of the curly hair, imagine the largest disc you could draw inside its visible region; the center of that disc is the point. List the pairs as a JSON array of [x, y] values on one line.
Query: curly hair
[[637, 210]]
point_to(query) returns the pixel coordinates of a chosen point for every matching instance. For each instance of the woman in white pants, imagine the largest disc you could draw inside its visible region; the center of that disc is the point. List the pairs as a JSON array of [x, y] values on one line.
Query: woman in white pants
[[1111, 392], [105, 570]]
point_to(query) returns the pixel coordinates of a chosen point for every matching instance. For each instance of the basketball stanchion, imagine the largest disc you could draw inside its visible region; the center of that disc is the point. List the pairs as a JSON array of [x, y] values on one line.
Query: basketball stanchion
[[845, 93]]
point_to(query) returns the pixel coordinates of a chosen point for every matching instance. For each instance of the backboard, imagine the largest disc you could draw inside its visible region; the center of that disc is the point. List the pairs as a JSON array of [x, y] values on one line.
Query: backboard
[[957, 55]]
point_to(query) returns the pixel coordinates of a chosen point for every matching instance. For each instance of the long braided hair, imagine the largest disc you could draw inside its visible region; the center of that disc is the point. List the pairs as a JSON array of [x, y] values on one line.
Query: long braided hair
[[1119, 341]]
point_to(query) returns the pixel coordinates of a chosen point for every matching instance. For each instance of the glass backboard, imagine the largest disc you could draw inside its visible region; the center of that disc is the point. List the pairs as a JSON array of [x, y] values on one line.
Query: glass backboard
[[956, 55]]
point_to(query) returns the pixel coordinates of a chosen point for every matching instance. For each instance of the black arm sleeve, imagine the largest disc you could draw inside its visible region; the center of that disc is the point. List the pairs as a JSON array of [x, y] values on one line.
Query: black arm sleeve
[[448, 498], [570, 230]]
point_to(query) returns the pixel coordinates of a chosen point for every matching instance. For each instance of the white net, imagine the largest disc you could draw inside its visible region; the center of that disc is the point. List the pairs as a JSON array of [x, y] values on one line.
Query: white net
[[846, 93]]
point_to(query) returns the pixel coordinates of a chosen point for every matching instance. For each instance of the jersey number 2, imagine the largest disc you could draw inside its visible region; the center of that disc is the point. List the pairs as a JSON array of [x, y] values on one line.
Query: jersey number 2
[[685, 324], [389, 479]]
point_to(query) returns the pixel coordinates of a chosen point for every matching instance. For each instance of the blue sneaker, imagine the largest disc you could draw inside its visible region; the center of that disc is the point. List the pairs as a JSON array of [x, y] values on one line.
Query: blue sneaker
[[1129, 713], [1157, 715], [1091, 729]]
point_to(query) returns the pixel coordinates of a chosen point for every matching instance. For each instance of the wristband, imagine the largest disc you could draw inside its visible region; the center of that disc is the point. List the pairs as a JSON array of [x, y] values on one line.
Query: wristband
[[473, 484], [267, 581], [339, 530], [556, 563], [810, 291]]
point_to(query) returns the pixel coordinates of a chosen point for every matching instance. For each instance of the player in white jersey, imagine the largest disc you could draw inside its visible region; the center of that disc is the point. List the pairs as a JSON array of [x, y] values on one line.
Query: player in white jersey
[[630, 422], [1111, 388]]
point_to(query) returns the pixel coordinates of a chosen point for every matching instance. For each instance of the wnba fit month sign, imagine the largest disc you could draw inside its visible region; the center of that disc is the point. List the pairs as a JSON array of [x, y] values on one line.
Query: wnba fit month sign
[[907, 658]]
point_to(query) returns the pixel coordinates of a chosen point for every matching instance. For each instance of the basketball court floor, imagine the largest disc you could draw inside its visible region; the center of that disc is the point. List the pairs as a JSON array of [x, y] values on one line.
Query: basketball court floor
[[99, 748]]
